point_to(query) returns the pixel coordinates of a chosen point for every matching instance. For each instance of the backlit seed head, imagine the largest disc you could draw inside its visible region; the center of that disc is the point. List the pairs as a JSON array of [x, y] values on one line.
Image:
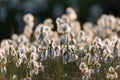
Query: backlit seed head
[[23, 58], [63, 28], [87, 26], [66, 28], [82, 66], [92, 48], [48, 21], [71, 14], [75, 27], [22, 39], [18, 62], [28, 31], [111, 69], [14, 37], [71, 35], [14, 77], [33, 48], [34, 56], [98, 65], [3, 70], [81, 37], [42, 67], [106, 41], [65, 18], [27, 78], [33, 64], [36, 71], [4, 44], [28, 18], [108, 75], [115, 75], [117, 67], [1, 57], [4, 61], [84, 77], [97, 40], [47, 29], [13, 53], [22, 48], [59, 21], [30, 25], [31, 72]]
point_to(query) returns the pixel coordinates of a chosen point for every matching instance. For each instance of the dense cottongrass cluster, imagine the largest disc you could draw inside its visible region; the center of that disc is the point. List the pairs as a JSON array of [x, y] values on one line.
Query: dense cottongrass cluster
[[72, 52]]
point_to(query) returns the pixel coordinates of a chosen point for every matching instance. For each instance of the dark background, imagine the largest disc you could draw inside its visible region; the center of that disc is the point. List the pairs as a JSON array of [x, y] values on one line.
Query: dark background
[[12, 11]]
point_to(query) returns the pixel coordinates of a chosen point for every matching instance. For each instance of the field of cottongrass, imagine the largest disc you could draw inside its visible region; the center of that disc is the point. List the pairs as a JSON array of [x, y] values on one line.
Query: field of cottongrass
[[72, 52]]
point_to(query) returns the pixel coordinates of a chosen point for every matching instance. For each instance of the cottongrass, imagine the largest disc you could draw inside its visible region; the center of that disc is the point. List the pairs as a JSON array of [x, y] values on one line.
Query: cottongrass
[[69, 53]]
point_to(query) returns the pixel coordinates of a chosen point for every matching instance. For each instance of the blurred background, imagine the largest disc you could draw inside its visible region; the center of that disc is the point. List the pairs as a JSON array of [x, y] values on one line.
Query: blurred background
[[12, 12]]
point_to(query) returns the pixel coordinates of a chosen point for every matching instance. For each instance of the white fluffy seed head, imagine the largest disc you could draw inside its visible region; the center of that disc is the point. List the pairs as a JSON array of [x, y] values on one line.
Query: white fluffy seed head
[[75, 27], [2, 54], [71, 14], [33, 48], [59, 21], [13, 53], [49, 22], [42, 67], [14, 37], [14, 77], [108, 75], [34, 56], [4, 61], [3, 70], [115, 75], [31, 72], [63, 28], [28, 18], [98, 65], [18, 62], [5, 44], [22, 39], [23, 58], [28, 31], [27, 78], [36, 71], [87, 26], [83, 66], [65, 18], [92, 48], [117, 67], [111, 69], [33, 64]]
